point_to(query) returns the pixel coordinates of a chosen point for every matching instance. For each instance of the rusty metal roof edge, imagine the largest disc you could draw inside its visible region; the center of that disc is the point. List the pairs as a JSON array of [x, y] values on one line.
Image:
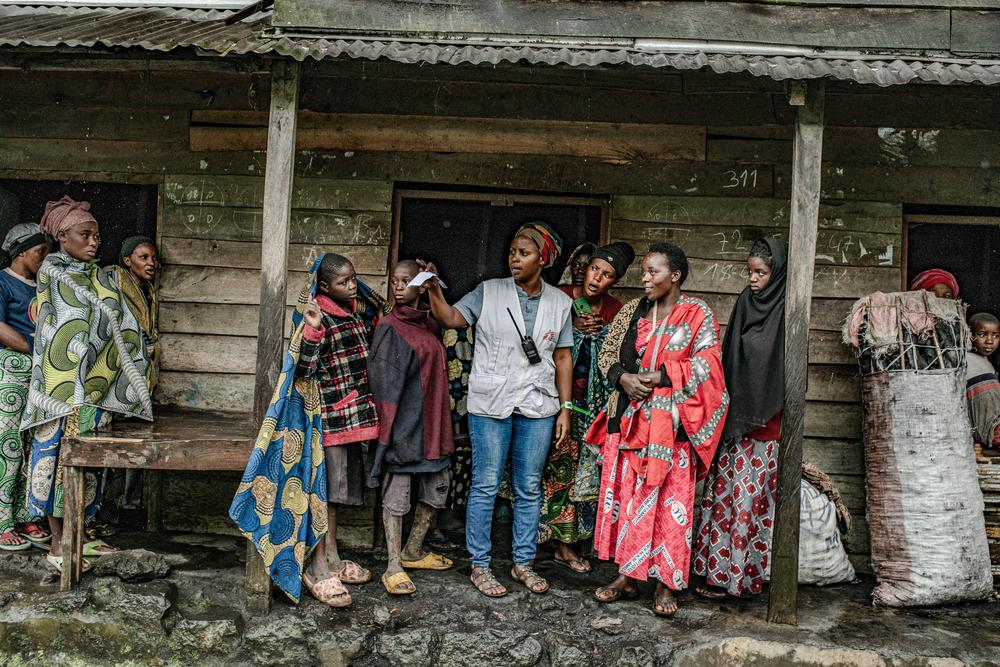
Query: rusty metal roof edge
[[892, 71], [164, 30]]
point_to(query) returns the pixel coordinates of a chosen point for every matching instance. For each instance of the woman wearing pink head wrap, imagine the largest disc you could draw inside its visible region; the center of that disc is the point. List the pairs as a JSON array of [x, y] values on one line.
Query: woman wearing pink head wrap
[[71, 224], [942, 283], [88, 362]]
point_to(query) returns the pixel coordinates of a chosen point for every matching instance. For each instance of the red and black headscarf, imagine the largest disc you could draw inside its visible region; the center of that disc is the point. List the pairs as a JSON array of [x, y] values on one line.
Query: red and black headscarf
[[542, 235]]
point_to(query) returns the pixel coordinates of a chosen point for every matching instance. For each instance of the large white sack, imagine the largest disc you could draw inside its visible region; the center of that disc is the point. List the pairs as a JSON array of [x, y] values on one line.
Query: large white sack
[[822, 559], [925, 508]]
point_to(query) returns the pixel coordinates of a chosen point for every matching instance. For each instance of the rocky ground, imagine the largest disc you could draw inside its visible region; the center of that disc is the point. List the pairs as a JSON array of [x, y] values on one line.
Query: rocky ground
[[194, 615]]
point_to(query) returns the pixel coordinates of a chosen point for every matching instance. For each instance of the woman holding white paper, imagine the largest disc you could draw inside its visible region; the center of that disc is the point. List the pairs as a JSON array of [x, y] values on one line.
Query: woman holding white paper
[[522, 371]]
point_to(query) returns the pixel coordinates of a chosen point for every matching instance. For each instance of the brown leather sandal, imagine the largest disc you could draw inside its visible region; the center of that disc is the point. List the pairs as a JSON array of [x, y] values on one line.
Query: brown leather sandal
[[533, 581], [483, 579]]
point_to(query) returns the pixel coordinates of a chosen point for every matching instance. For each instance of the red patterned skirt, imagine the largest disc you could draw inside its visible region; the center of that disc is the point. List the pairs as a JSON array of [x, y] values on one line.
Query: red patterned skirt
[[645, 529], [737, 517]]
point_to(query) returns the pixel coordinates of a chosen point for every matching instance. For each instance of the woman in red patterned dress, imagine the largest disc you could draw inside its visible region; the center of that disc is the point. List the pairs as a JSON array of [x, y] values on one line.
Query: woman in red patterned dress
[[659, 431], [737, 509]]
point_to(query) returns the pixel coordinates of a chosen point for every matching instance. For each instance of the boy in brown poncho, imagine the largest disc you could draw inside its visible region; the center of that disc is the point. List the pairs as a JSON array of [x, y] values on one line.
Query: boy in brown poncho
[[407, 370]]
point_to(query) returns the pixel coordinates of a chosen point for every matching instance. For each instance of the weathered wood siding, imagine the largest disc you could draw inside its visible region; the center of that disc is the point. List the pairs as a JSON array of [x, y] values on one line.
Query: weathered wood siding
[[883, 148]]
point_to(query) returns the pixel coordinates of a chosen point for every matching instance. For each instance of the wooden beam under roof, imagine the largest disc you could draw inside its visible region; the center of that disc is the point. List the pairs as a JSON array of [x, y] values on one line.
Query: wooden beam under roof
[[855, 26]]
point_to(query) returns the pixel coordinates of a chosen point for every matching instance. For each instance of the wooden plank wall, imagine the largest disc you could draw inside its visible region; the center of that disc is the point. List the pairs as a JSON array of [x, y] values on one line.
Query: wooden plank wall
[[210, 242], [858, 252], [712, 187]]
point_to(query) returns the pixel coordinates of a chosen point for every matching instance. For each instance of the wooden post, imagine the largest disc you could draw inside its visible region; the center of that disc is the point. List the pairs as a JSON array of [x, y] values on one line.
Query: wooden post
[[70, 519], [278, 183], [277, 214], [803, 229], [152, 492]]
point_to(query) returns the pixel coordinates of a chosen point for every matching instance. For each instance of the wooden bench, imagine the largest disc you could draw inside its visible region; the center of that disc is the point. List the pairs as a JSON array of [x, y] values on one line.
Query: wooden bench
[[179, 439]]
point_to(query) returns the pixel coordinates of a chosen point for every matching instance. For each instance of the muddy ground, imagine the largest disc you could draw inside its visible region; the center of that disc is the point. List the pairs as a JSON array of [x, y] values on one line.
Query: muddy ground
[[195, 616]]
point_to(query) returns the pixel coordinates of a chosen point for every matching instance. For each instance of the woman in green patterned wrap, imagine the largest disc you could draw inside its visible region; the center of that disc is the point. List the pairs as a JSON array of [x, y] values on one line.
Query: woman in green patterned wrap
[[24, 249], [89, 361]]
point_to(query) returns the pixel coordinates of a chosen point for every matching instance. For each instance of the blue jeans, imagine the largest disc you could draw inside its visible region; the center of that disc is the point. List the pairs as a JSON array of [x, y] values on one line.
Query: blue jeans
[[525, 442]]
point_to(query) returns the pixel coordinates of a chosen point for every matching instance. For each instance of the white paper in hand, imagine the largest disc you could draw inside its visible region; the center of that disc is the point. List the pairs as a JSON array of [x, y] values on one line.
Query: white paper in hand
[[423, 277]]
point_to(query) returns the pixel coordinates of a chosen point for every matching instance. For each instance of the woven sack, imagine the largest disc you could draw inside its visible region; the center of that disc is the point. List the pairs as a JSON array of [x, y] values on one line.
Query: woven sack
[[822, 559], [925, 508]]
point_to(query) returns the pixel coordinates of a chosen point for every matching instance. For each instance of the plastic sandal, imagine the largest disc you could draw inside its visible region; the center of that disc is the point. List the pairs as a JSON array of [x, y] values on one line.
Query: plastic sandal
[[659, 605], [352, 573], [57, 561], [11, 535], [98, 548], [329, 591], [431, 561], [398, 584], [34, 533], [710, 593]]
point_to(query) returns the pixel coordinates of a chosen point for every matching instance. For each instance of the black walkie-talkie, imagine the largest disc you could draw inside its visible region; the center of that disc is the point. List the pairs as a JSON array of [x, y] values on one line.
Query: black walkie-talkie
[[527, 344]]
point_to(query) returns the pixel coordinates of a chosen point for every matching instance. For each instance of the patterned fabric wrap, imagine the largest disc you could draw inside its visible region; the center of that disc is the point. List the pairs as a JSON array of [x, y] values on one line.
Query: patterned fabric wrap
[[737, 517], [15, 369], [646, 530], [572, 477], [458, 344], [147, 315], [686, 343], [280, 504], [88, 347], [644, 521], [45, 481]]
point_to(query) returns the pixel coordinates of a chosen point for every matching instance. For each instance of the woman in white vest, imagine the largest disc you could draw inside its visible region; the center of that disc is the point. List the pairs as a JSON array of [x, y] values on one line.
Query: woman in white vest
[[522, 374]]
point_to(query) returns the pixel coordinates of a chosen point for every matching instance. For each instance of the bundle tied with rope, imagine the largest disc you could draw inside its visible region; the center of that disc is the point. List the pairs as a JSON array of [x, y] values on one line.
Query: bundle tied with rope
[[925, 508]]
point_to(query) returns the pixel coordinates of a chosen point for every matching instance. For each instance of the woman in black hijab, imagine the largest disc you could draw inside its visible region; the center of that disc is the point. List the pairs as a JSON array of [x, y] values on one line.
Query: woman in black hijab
[[737, 509]]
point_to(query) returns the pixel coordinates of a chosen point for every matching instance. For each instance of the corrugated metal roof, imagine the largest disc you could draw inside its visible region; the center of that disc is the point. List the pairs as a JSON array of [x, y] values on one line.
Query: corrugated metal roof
[[162, 29]]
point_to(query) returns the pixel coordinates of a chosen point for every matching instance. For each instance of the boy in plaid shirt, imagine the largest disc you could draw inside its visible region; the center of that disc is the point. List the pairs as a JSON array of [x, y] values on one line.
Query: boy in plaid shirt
[[335, 351]]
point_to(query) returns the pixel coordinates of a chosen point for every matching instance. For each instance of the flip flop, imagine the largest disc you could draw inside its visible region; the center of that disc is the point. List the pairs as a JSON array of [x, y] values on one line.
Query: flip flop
[[585, 568], [441, 543], [330, 591], [352, 573], [617, 594], [9, 535], [96, 529], [431, 561], [34, 533], [665, 614], [94, 548], [57, 561], [398, 584], [710, 593]]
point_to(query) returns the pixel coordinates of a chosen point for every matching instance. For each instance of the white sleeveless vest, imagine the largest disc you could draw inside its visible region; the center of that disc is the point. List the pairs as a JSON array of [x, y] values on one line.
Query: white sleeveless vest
[[502, 380]]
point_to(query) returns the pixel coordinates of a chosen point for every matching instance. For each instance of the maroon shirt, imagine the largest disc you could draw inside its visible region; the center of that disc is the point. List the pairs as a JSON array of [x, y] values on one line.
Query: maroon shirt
[[408, 373]]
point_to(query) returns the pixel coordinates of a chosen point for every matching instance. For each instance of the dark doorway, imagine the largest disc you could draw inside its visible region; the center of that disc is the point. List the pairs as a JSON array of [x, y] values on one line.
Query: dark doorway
[[467, 234], [121, 210], [967, 246]]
